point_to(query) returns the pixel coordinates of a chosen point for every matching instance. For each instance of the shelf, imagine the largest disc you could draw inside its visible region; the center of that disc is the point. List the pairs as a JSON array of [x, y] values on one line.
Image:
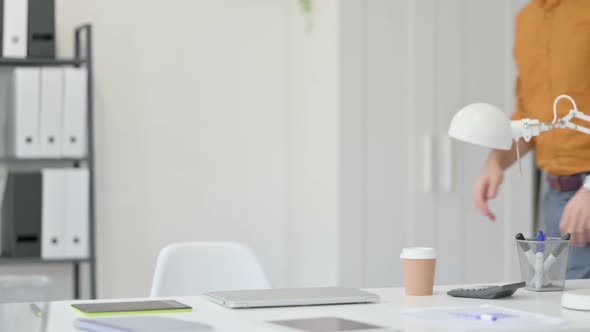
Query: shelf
[[40, 62], [27, 165], [39, 260], [41, 160], [82, 56], [13, 164]]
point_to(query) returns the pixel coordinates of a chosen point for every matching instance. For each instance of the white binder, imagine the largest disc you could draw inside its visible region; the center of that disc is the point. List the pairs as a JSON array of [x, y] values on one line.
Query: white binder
[[14, 29], [6, 110], [76, 213], [53, 226], [74, 113], [51, 112], [26, 96]]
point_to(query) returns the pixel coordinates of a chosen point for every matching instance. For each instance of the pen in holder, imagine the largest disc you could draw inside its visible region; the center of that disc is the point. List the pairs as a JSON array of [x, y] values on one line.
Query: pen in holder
[[543, 263]]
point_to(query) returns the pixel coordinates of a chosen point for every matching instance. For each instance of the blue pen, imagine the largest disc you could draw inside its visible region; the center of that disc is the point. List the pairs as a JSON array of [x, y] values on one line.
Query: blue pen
[[541, 237], [486, 317], [539, 261]]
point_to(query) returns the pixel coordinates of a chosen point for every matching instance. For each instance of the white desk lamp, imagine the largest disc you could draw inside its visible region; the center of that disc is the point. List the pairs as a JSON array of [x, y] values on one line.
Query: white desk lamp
[[486, 125]]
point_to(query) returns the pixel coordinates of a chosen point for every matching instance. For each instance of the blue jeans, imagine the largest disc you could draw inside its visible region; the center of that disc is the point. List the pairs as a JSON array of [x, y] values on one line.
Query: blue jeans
[[578, 266]]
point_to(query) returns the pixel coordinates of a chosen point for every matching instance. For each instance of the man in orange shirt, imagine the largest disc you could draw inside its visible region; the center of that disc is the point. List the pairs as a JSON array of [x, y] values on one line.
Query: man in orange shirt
[[552, 53]]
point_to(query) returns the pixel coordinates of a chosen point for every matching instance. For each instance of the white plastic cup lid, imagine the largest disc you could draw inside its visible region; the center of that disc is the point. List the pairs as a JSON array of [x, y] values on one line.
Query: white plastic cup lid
[[418, 253]]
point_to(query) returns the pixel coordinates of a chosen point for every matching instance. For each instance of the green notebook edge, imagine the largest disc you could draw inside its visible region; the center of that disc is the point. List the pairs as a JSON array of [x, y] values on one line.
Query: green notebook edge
[[129, 313]]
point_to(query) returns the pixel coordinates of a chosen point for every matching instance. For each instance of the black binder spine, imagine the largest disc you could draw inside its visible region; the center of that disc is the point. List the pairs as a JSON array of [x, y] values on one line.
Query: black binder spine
[[21, 215], [41, 29]]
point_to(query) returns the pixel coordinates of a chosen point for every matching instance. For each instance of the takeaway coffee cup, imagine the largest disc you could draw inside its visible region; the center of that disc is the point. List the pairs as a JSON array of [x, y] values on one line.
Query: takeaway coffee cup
[[419, 264]]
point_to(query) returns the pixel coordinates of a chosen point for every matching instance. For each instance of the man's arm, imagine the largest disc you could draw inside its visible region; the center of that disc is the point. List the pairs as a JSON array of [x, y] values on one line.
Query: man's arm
[[486, 187]]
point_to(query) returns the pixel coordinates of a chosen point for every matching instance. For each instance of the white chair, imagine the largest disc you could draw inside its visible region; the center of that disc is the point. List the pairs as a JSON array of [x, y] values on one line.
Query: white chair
[[197, 267]]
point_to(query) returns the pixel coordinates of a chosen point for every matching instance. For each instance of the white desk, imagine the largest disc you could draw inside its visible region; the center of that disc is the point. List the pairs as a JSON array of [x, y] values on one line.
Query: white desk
[[386, 313]]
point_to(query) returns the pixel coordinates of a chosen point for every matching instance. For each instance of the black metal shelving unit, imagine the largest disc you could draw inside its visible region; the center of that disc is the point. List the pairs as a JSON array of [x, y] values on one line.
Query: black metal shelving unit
[[81, 58], [24, 62]]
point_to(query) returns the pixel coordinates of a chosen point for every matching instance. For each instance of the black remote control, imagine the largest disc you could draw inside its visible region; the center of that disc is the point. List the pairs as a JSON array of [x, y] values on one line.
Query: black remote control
[[487, 292]]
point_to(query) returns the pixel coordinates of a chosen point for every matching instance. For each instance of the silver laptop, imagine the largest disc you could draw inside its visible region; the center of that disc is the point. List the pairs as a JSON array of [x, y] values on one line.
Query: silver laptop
[[290, 297]]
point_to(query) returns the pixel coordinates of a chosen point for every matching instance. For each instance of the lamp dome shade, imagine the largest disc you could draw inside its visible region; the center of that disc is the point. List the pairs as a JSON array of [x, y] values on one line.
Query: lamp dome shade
[[482, 124]]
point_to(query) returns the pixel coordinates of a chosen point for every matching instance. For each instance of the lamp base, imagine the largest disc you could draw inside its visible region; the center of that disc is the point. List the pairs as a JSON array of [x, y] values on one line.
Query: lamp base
[[576, 299]]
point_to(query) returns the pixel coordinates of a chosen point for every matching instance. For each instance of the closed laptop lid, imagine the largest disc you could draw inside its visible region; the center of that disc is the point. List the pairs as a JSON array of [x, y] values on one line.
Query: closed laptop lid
[[291, 296]]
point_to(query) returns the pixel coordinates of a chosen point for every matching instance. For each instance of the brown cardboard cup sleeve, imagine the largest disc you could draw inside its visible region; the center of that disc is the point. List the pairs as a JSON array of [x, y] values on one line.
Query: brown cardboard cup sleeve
[[419, 264]]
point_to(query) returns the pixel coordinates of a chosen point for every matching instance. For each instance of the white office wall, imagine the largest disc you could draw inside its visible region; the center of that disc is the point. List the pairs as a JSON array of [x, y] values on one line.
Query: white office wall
[[425, 60], [251, 93], [191, 129], [313, 158], [352, 141], [234, 120]]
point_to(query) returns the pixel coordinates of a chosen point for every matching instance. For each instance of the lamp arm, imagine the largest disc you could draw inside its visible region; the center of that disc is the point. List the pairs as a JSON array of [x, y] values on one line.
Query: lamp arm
[[580, 115], [566, 122], [560, 97], [528, 128]]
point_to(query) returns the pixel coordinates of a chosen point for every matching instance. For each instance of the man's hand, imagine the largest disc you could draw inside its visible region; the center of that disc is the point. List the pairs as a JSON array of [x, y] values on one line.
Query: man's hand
[[576, 218], [486, 188]]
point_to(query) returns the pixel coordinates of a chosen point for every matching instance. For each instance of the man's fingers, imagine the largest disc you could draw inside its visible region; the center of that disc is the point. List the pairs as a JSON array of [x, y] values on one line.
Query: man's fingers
[[579, 240], [491, 192], [569, 224], [481, 192], [582, 228], [482, 206], [576, 218], [492, 189], [479, 195], [578, 227], [564, 224]]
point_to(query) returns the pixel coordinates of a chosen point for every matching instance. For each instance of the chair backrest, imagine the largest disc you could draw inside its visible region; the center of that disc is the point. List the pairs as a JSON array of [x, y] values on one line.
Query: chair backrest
[[197, 267]]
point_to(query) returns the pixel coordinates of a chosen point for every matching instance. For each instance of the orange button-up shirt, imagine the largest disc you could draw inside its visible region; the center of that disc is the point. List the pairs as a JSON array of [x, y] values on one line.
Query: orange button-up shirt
[[552, 53]]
